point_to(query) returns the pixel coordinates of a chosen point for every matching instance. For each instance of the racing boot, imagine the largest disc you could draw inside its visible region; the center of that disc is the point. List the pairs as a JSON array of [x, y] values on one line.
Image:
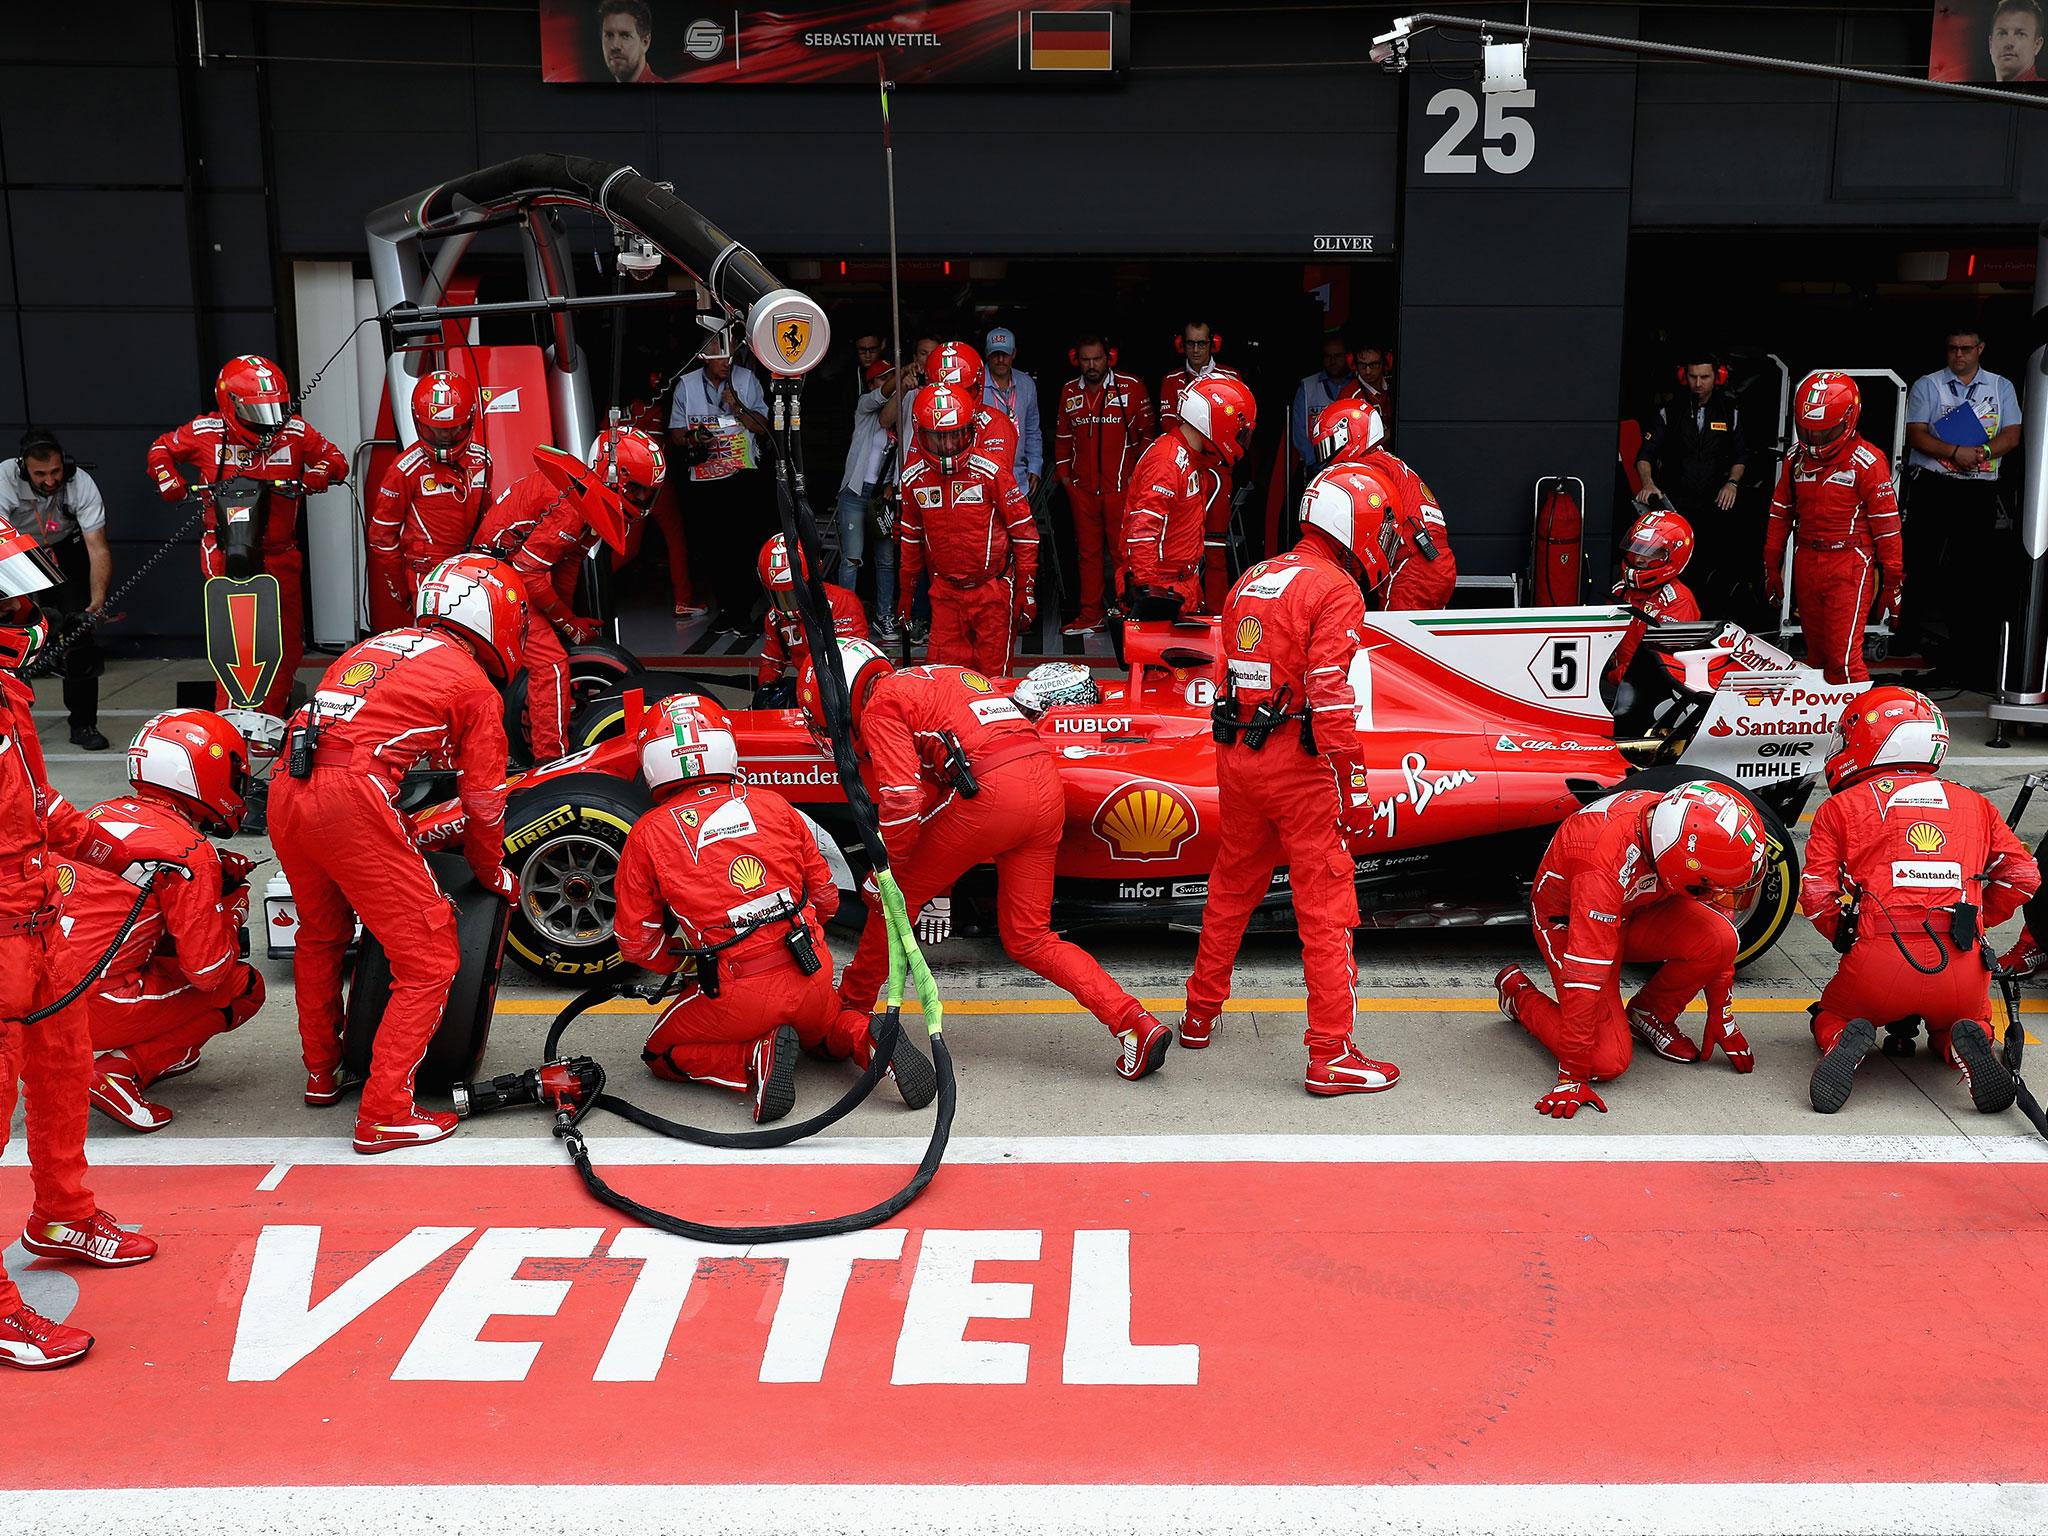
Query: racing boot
[[421, 1128], [181, 1066], [1145, 1041], [2025, 957], [1991, 1087], [1196, 1032], [1510, 985], [1835, 1073], [97, 1240], [1721, 1030], [1667, 1040], [324, 1088], [29, 1341], [1901, 1037], [771, 1074], [1346, 1069], [917, 1083], [116, 1092]]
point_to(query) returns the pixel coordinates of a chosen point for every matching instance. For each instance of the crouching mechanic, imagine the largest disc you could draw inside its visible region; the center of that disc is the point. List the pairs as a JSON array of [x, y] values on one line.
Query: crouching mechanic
[[52, 1057], [1168, 507], [1659, 545], [1643, 878], [785, 648], [1287, 755], [961, 778], [386, 703], [178, 979], [730, 878], [1905, 872], [1422, 571], [430, 499]]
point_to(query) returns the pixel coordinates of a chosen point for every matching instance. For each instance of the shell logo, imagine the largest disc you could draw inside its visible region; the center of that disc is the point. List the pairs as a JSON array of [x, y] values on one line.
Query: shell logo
[[976, 683], [1926, 837], [358, 674], [1145, 820], [66, 878], [1249, 632], [747, 872]]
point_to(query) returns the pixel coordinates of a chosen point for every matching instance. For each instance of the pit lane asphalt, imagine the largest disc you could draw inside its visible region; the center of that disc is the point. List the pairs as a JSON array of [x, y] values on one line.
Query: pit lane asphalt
[[1031, 1063]]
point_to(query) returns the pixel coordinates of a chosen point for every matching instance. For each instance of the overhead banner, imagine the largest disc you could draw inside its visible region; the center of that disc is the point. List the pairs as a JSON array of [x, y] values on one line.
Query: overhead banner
[[1988, 42], [688, 42]]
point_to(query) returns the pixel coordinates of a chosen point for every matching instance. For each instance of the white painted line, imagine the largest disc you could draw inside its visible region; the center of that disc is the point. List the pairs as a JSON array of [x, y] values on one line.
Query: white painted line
[[1565, 1144], [1997, 760], [1666, 1509], [273, 1178]]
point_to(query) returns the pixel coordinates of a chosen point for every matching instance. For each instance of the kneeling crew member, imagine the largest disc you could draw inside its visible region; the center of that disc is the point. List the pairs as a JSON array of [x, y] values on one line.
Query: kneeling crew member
[[734, 878], [1177, 478], [431, 498], [785, 648], [1905, 872], [37, 967], [1414, 537], [431, 690], [1291, 627], [961, 778], [178, 979], [1658, 547], [1637, 877]]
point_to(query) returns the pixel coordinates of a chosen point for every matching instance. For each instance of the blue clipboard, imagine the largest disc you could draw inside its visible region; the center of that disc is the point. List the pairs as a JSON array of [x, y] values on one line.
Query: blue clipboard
[[1961, 428]]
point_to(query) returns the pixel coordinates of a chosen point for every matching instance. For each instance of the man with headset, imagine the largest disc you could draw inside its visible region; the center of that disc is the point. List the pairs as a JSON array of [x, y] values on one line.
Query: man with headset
[[1692, 460], [48, 497]]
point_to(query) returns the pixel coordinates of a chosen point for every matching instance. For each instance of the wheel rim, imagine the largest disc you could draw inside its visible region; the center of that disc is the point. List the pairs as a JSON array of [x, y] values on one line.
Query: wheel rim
[[566, 889]]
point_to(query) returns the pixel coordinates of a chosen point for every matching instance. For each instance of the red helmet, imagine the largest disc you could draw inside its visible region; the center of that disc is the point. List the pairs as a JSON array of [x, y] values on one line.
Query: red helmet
[[1222, 411], [778, 573], [199, 761], [862, 664], [632, 464], [25, 569], [444, 411], [1825, 411], [485, 600], [1352, 505], [254, 397], [945, 423], [696, 742], [1346, 431], [1708, 841], [1658, 546], [958, 364], [1887, 727]]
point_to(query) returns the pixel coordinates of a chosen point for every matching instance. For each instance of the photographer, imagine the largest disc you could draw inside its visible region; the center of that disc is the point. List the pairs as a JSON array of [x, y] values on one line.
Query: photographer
[[716, 428], [54, 502]]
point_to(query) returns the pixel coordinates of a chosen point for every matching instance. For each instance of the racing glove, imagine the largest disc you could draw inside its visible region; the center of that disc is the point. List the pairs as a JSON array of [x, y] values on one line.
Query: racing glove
[[935, 922], [1774, 587], [1354, 805], [1027, 613], [1888, 599], [500, 882], [1568, 1098], [1722, 1031], [173, 490], [234, 867], [578, 630]]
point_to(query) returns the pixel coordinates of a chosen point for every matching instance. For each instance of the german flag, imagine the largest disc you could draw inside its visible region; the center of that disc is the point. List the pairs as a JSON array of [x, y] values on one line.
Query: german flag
[[1071, 40]]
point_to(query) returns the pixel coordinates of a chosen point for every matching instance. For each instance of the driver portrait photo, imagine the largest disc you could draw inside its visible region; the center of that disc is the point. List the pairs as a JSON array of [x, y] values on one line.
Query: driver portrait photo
[[625, 31], [1987, 42]]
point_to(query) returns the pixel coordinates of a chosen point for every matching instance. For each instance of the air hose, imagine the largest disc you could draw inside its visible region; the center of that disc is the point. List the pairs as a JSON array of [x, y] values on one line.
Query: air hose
[[99, 966]]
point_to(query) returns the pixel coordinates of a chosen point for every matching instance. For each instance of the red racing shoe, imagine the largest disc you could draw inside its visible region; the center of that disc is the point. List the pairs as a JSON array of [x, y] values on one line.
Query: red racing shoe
[[324, 1088], [97, 1240], [2025, 957], [1992, 1088], [1196, 1032], [771, 1074], [1510, 985], [1667, 1040], [1145, 1042], [421, 1128], [29, 1341], [1347, 1070], [181, 1066], [116, 1092]]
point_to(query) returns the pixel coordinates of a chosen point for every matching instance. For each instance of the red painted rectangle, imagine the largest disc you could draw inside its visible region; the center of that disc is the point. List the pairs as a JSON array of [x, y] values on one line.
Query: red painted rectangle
[[1639, 1322]]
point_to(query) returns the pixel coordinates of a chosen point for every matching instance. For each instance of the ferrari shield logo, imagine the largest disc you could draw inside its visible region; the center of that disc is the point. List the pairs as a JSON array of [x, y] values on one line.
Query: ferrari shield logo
[[792, 337], [1145, 821], [244, 636]]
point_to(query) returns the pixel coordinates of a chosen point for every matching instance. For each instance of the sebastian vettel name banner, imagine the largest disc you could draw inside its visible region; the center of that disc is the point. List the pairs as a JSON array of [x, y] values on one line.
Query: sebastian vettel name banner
[[692, 42]]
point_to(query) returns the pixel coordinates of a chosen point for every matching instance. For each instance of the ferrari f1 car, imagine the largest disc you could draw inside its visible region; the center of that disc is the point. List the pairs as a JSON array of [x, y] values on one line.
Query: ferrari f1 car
[[1481, 731]]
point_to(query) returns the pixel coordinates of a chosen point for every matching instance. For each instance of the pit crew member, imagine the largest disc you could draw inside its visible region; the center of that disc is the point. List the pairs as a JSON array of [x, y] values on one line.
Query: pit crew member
[[1659, 545], [1413, 536], [52, 1057], [729, 877], [964, 516], [1905, 872], [958, 366], [1287, 754], [430, 499], [960, 778], [1177, 479], [1637, 877], [1104, 421], [1198, 345], [178, 979], [253, 434], [1836, 493], [784, 647], [385, 704], [57, 503]]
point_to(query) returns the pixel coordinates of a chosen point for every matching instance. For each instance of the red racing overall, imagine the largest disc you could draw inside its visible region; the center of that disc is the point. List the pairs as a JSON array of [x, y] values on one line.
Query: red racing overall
[[1215, 577], [1671, 603], [1418, 580], [1846, 516], [785, 650], [426, 510], [1164, 512], [973, 526], [1096, 443]]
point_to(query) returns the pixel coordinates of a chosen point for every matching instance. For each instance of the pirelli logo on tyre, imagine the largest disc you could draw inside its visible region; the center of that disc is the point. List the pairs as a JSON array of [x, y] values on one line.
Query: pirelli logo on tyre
[[534, 831], [1145, 821]]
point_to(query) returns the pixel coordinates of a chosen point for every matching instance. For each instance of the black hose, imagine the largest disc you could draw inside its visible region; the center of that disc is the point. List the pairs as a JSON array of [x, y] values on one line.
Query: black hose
[[99, 967]]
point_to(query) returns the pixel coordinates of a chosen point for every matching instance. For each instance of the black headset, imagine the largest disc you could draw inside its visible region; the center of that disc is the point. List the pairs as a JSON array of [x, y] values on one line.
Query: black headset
[[40, 442]]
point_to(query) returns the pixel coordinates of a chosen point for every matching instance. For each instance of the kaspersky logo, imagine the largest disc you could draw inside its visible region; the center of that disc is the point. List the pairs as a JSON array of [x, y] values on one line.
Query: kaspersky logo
[[1925, 837], [1249, 633], [1145, 821]]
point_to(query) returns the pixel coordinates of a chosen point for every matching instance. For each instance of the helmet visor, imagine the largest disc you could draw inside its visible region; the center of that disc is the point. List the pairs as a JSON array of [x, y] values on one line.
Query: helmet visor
[[1646, 549], [26, 569], [261, 415], [444, 434], [946, 442], [1817, 439]]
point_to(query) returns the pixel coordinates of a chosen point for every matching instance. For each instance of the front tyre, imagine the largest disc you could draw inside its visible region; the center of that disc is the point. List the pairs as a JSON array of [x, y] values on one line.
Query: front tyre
[[563, 840]]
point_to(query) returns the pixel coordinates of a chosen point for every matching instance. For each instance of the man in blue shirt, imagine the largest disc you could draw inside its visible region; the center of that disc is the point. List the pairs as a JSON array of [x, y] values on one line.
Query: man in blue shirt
[[1016, 396], [1960, 422]]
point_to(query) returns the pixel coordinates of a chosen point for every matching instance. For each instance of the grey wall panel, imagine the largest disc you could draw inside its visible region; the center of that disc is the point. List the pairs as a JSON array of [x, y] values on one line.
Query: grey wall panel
[[1453, 259], [7, 294], [238, 265], [1763, 163], [135, 132], [230, 135], [328, 179], [1886, 150], [1447, 354], [238, 331], [1487, 495], [138, 253], [13, 405], [163, 605], [345, 96], [118, 460], [66, 353], [107, 32]]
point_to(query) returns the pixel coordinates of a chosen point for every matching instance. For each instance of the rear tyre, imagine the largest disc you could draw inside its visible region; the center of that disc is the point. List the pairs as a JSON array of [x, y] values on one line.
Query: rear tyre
[[563, 840], [603, 716]]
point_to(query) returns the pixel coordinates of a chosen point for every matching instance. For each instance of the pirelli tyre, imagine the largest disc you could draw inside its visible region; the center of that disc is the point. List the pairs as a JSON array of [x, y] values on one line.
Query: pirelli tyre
[[604, 716], [457, 1050], [1778, 902], [595, 670], [563, 840]]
